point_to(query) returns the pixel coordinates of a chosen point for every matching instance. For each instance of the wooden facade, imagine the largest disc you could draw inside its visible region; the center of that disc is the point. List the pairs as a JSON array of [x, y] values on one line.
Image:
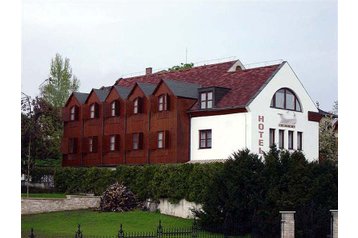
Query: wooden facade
[[139, 129]]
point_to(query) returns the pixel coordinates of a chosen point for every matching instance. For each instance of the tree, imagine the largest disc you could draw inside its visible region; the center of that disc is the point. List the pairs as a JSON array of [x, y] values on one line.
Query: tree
[[247, 195], [61, 82], [40, 134], [182, 66], [328, 141]]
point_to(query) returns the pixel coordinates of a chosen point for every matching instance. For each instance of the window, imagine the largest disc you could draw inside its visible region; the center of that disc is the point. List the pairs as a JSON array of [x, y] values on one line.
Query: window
[[73, 112], [290, 140], [93, 111], [92, 144], [160, 144], [162, 103], [281, 139], [73, 145], [137, 140], [115, 108], [112, 143], [204, 139], [137, 105], [206, 100], [286, 99], [272, 137], [299, 140]]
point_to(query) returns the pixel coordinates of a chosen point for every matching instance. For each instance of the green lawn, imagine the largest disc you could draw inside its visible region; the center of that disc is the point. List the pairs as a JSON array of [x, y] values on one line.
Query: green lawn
[[97, 223], [44, 195]]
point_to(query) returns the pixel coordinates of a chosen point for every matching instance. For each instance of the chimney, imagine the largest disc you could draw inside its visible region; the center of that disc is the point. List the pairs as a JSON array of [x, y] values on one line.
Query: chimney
[[148, 71]]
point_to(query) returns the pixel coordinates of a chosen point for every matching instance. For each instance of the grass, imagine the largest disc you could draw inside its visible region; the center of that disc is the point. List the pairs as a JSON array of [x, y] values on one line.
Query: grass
[[97, 223], [44, 195]]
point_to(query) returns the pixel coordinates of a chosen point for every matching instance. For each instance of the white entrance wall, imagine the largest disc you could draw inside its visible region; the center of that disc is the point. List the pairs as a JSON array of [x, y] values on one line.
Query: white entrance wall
[[232, 132], [260, 106], [228, 135]]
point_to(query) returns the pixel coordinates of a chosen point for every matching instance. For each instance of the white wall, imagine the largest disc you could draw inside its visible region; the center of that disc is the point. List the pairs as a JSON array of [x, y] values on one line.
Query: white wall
[[260, 106], [228, 135]]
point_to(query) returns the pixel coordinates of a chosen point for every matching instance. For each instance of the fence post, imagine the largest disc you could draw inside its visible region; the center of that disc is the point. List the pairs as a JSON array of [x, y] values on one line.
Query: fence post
[[78, 233], [159, 230], [194, 229], [32, 235], [120, 232], [334, 223], [287, 224]]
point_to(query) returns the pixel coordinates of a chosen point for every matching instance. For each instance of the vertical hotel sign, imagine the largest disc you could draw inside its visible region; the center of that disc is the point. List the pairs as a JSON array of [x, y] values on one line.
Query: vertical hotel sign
[[261, 127]]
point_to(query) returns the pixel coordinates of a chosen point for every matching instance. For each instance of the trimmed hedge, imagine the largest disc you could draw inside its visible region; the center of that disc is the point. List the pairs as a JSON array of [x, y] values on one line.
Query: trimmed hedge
[[173, 181]]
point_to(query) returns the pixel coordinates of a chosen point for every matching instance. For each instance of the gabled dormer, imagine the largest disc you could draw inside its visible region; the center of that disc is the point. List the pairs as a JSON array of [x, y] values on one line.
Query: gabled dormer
[[210, 96], [115, 101], [94, 103], [137, 98], [71, 110]]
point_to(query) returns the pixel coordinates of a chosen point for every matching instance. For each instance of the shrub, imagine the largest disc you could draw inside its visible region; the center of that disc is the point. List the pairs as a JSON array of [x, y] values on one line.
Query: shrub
[[249, 193]]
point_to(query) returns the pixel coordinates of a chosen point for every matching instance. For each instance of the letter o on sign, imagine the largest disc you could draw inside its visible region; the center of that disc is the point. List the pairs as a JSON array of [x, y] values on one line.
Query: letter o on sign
[[261, 126]]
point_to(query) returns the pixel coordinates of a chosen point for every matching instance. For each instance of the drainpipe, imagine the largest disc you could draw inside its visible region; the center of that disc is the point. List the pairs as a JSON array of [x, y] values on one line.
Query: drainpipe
[[82, 136], [148, 139], [125, 133], [102, 133]]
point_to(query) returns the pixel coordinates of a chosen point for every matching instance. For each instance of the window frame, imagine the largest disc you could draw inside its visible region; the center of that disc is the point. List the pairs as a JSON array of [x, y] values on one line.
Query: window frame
[[137, 139], [73, 113], [73, 146], [114, 110], [162, 146], [272, 137], [206, 100], [90, 144], [281, 139], [93, 111], [205, 139], [290, 140], [297, 107], [162, 106], [299, 140], [112, 143]]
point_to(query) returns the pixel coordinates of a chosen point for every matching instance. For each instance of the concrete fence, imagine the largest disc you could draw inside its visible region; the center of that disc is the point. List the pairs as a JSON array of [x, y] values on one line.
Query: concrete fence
[[71, 202]]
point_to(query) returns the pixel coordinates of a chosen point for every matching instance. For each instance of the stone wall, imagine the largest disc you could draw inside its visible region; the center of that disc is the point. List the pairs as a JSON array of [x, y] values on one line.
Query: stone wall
[[71, 202], [75, 202], [181, 209]]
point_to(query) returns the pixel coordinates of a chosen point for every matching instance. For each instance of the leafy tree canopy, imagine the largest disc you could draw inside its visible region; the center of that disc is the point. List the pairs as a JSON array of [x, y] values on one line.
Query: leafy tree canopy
[[61, 82], [182, 66]]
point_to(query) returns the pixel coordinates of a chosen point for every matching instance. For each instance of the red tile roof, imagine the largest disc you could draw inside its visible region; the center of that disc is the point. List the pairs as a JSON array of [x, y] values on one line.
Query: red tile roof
[[244, 84]]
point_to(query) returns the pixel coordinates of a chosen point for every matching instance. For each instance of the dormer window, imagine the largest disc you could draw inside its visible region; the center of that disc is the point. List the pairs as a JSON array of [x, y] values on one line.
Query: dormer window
[[115, 108], [163, 103], [94, 110], [137, 105], [73, 113], [285, 98], [206, 100]]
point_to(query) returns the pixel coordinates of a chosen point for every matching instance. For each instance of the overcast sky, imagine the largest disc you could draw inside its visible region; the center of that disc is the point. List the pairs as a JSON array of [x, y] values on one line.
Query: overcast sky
[[107, 39]]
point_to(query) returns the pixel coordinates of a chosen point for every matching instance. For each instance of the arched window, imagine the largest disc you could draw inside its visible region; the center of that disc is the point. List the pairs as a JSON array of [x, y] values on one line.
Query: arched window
[[285, 98]]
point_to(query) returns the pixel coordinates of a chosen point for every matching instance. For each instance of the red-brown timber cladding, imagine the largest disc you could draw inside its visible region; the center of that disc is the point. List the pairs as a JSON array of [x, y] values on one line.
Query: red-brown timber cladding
[[137, 123], [114, 125], [174, 122], [72, 129], [92, 127]]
